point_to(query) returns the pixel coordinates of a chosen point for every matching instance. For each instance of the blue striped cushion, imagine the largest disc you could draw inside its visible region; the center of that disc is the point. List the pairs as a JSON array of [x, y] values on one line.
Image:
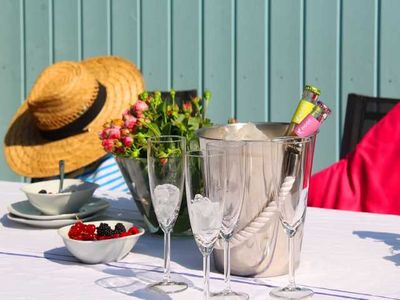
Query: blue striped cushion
[[107, 175]]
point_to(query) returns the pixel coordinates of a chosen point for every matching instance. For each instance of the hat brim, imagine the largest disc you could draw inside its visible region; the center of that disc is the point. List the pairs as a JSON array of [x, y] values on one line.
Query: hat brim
[[29, 154]]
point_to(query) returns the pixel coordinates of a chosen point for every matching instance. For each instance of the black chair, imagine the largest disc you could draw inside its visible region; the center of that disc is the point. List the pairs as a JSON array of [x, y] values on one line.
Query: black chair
[[362, 112]]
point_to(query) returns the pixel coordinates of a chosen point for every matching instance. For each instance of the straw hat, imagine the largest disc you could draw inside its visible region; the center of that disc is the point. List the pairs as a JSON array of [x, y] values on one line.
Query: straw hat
[[65, 110]]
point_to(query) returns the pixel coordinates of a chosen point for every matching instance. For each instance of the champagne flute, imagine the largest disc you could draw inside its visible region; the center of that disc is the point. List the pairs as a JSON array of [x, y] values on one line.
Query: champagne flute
[[296, 155], [235, 189], [205, 177], [165, 158]]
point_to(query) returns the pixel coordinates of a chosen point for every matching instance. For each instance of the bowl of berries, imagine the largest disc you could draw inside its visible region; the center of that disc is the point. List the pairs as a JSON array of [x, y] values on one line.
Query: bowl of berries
[[100, 242]]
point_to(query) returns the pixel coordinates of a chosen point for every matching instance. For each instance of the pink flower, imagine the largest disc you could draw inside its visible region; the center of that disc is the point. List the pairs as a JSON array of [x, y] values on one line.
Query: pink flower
[[126, 116], [108, 145], [130, 121], [187, 107], [119, 150], [117, 144], [139, 107], [127, 141], [105, 133], [111, 133], [126, 112], [125, 132], [114, 132]]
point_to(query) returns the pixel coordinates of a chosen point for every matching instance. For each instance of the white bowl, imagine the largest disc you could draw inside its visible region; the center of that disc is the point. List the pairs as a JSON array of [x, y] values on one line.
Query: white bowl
[[76, 193], [102, 251]]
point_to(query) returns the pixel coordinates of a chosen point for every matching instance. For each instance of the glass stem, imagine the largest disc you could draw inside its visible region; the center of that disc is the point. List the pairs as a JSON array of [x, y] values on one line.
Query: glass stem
[[167, 256], [292, 284], [227, 265], [206, 269]]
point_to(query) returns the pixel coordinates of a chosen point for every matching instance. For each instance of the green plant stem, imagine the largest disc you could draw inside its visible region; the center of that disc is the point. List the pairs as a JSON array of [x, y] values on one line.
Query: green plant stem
[[153, 129]]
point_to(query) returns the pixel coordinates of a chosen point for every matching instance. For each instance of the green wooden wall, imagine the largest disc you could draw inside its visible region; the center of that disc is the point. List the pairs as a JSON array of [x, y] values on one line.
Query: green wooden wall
[[254, 55]]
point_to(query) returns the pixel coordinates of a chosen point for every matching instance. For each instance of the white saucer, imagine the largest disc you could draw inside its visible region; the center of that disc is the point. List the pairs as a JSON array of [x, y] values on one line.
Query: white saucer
[[50, 223], [25, 209]]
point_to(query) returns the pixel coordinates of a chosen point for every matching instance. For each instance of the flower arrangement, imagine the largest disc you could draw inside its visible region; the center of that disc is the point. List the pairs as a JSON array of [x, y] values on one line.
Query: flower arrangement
[[153, 116]]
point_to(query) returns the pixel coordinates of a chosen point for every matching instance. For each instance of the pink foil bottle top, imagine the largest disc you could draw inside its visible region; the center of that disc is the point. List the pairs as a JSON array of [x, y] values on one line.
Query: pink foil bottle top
[[326, 111], [313, 121], [310, 124], [307, 127]]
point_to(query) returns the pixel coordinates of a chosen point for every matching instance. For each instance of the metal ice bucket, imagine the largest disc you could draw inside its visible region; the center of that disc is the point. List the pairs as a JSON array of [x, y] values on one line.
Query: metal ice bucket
[[259, 246]]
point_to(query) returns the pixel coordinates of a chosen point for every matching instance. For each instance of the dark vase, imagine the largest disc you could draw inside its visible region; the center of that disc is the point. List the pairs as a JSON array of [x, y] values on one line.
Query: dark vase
[[134, 171]]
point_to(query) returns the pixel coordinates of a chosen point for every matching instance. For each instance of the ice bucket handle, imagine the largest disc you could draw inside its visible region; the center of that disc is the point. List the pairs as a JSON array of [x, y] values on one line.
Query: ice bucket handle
[[267, 215]]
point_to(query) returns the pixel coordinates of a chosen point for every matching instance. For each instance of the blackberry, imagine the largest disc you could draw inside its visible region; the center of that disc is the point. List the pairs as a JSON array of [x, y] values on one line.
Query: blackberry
[[104, 230], [119, 228]]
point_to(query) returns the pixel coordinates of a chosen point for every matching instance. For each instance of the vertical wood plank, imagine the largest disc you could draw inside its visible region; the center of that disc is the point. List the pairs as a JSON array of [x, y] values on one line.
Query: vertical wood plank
[[95, 28], [251, 60], [156, 44], [219, 58], [321, 66], [359, 64], [125, 29], [10, 72], [254, 65], [186, 45], [65, 32], [36, 39], [390, 49], [286, 68]]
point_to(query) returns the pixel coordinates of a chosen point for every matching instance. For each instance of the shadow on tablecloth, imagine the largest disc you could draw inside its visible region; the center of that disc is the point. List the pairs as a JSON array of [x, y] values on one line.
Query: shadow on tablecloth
[[184, 251], [133, 281], [390, 239], [124, 278], [61, 256], [130, 286]]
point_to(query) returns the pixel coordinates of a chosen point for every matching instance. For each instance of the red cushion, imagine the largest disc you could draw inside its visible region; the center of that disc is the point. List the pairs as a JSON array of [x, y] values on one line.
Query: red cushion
[[368, 179]]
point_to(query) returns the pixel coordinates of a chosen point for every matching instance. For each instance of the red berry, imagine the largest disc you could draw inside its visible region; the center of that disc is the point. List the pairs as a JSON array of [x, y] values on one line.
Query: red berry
[[90, 237], [133, 230], [125, 233], [115, 235], [91, 228], [73, 231], [79, 225]]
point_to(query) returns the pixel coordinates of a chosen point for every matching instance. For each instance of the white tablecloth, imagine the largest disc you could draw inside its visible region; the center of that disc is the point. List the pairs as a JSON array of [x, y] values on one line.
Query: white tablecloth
[[345, 255]]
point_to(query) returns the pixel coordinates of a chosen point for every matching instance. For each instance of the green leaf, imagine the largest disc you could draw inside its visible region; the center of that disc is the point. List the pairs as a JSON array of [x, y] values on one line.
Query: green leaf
[[179, 119], [164, 111], [194, 123]]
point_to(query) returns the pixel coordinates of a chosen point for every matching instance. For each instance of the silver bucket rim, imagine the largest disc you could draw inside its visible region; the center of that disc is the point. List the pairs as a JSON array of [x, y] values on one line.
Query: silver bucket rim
[[281, 139]]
